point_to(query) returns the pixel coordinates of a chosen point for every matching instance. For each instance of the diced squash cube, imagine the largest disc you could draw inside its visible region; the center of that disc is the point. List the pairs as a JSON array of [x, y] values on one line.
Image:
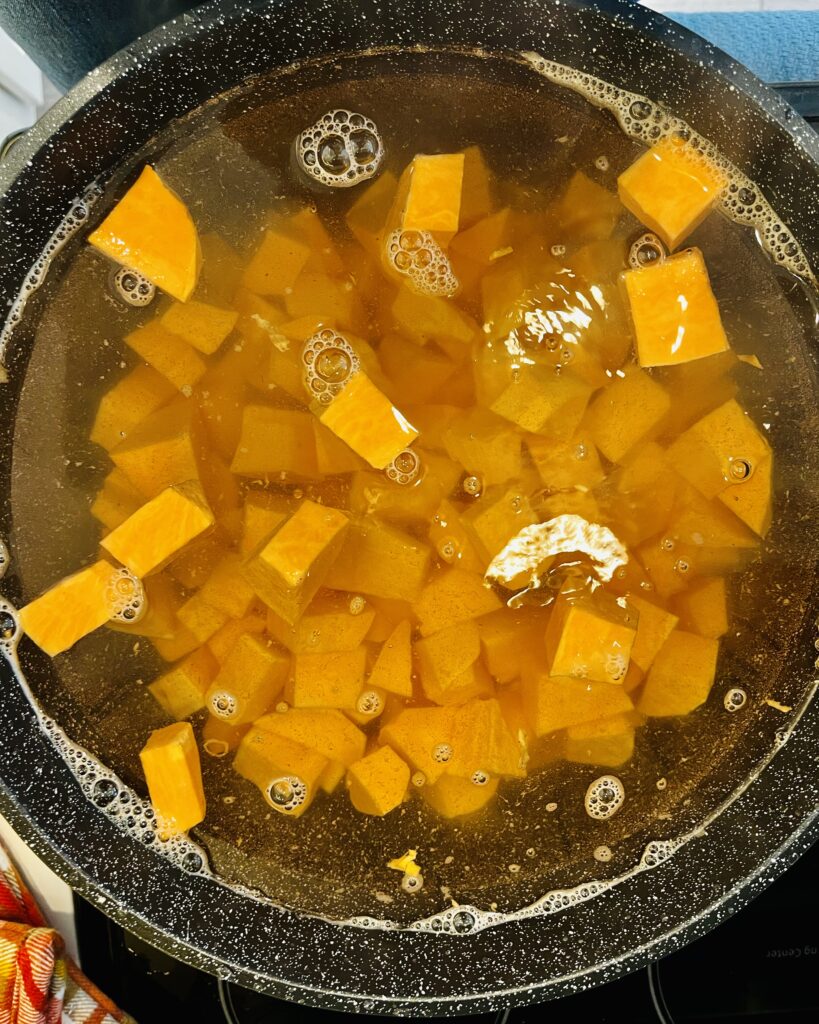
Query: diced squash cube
[[116, 500], [222, 494], [485, 446], [261, 514], [334, 456], [127, 403], [669, 569], [453, 596], [750, 500], [70, 610], [224, 639], [326, 730], [416, 372], [249, 680], [287, 570], [200, 618], [671, 189], [170, 761], [167, 353], [392, 669], [197, 561], [381, 561], [227, 590], [586, 209], [654, 626], [703, 608], [368, 422], [161, 450], [681, 677], [275, 441], [307, 226], [627, 412], [287, 773], [159, 530], [220, 401], [318, 295], [506, 637], [476, 191], [434, 197], [327, 680], [483, 742], [453, 797], [163, 598], [328, 624], [221, 269], [373, 493], [494, 519], [177, 646], [368, 214], [707, 452], [275, 265], [199, 324], [378, 783], [484, 238], [542, 402], [608, 743], [151, 231], [707, 526], [423, 737], [553, 703], [220, 737], [453, 541], [181, 691], [445, 656], [566, 464], [428, 317], [674, 312], [590, 636]]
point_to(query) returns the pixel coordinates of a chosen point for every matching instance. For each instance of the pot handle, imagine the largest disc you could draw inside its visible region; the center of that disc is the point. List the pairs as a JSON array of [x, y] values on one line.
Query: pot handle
[[67, 38]]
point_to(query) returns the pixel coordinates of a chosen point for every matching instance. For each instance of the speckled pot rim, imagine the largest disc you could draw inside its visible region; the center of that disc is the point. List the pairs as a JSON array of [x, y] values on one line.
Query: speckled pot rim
[[303, 958]]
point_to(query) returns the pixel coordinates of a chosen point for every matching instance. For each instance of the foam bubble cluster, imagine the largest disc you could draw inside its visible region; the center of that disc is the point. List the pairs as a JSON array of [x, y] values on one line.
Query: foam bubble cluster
[[648, 122], [418, 256], [329, 360], [604, 797], [646, 251], [223, 705], [126, 597], [340, 150], [132, 287], [405, 468], [286, 794]]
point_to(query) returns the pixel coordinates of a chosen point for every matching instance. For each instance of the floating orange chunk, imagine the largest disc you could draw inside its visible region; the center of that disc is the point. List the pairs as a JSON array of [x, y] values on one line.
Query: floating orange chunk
[[170, 761], [392, 669], [674, 312], [275, 265], [287, 570], [454, 797], [434, 196], [116, 500], [553, 703], [327, 680], [608, 743], [671, 189], [586, 209], [422, 736], [368, 422], [222, 641], [171, 355], [453, 596], [161, 450], [151, 231], [199, 324], [368, 214], [476, 192], [287, 773], [378, 783], [654, 627], [590, 637], [680, 678], [750, 499], [275, 441], [249, 680], [449, 673], [630, 410], [220, 737], [151, 537], [70, 610], [326, 730], [127, 403], [329, 623], [181, 691], [381, 561], [703, 608]]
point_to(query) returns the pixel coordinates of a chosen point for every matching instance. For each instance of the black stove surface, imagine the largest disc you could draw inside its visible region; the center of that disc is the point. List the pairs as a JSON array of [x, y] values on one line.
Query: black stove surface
[[760, 965]]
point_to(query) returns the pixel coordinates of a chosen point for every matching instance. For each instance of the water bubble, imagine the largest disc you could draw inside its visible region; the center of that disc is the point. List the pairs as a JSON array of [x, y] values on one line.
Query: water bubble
[[740, 470], [104, 792], [215, 747], [125, 597], [418, 256], [286, 793], [405, 468], [463, 922], [5, 558], [604, 797], [662, 783], [681, 566], [419, 779], [480, 778], [369, 703], [412, 883], [558, 250], [640, 110], [223, 704], [646, 251], [329, 361], [192, 862], [602, 163], [449, 549], [551, 807], [441, 753], [340, 150], [132, 287], [473, 486], [603, 854], [8, 625], [735, 699], [357, 605]]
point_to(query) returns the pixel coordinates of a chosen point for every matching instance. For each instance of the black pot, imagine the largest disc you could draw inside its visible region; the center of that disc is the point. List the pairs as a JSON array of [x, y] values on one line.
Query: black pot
[[744, 822]]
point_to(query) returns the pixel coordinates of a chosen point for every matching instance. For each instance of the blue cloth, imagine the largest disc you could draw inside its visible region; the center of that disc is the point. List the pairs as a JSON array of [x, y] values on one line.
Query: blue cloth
[[778, 46]]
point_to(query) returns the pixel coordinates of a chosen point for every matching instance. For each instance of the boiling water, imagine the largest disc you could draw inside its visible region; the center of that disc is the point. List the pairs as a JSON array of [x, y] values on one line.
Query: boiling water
[[548, 834]]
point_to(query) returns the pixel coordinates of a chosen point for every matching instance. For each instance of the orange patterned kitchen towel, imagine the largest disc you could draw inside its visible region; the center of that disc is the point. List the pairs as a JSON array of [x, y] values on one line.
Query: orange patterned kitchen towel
[[39, 984]]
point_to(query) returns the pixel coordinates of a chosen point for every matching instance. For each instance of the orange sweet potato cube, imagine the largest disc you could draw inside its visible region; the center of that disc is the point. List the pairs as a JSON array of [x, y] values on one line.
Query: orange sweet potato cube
[[484, 445], [181, 690], [201, 325], [453, 541], [287, 570], [332, 680], [681, 677], [274, 441], [169, 354], [654, 626], [392, 668], [751, 499], [423, 737], [483, 742], [590, 637], [378, 783], [674, 312], [127, 403], [434, 198], [453, 596], [249, 680], [116, 500], [553, 703], [495, 518], [151, 231], [368, 214], [380, 560], [329, 623], [160, 529], [261, 514], [586, 209], [507, 636], [445, 658], [543, 402], [608, 742], [671, 189], [287, 773], [703, 608], [170, 761], [161, 450], [275, 265], [223, 640], [628, 411], [326, 730], [454, 797]]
